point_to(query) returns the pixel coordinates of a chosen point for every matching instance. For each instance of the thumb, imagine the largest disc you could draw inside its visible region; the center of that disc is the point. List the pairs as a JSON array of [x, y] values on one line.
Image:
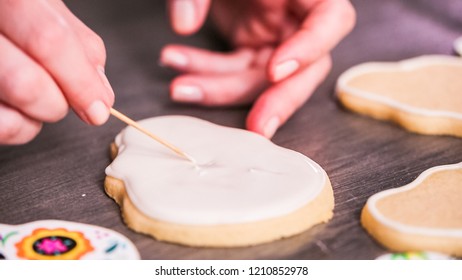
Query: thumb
[[187, 16]]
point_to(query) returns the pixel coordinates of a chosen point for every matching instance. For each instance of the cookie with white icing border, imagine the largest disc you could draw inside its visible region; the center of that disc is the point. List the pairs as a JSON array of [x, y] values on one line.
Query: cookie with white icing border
[[425, 215], [63, 240], [422, 94], [244, 190]]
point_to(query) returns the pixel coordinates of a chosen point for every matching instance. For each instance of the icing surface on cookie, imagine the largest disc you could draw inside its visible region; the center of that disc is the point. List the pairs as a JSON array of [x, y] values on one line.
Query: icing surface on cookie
[[239, 177], [64, 240], [430, 205], [426, 85]]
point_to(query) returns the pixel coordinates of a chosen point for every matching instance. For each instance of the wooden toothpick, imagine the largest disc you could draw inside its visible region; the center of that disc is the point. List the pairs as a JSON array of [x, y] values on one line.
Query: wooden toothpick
[[134, 124]]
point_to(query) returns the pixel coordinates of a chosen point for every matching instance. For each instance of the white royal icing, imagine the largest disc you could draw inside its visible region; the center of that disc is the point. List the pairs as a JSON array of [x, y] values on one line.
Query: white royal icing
[[240, 176], [91, 242], [405, 65], [375, 212]]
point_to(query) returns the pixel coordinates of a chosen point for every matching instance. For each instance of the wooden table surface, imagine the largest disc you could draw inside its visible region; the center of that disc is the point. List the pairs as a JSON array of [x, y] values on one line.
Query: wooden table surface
[[60, 174]]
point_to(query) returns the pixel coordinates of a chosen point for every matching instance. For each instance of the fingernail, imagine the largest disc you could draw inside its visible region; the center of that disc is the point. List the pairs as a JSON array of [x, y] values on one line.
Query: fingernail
[[270, 127], [187, 93], [185, 14], [97, 112], [174, 58], [284, 69], [105, 81]]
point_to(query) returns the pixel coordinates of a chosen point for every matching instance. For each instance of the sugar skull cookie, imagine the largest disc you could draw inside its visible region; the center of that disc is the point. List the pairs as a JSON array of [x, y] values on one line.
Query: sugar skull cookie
[[243, 189], [63, 240], [425, 215], [422, 94]]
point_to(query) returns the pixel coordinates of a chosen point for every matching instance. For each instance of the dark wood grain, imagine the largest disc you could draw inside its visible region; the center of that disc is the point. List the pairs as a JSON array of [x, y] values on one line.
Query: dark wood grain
[[46, 178]]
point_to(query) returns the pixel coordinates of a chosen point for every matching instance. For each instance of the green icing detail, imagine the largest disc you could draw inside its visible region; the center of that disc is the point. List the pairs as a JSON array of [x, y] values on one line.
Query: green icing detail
[[409, 256], [8, 235]]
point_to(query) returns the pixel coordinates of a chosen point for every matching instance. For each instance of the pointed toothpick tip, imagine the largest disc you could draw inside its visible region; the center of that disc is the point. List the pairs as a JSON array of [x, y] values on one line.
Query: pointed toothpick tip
[[134, 124]]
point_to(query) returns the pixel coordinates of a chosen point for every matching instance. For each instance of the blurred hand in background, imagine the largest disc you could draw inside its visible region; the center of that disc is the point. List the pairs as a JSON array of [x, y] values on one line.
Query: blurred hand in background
[[281, 54]]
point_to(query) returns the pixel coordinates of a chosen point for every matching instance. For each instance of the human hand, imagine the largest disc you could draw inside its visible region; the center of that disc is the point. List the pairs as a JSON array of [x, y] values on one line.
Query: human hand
[[49, 60], [281, 47]]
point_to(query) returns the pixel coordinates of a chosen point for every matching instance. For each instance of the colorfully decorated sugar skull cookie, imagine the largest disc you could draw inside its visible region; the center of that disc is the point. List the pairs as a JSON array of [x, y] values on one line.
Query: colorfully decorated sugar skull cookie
[[414, 256], [62, 240]]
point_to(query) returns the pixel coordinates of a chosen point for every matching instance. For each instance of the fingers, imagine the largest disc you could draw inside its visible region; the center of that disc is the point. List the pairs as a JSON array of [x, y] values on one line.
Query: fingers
[[92, 42], [187, 16], [327, 22], [15, 127], [219, 90], [216, 79], [279, 102], [194, 60], [48, 38], [27, 87]]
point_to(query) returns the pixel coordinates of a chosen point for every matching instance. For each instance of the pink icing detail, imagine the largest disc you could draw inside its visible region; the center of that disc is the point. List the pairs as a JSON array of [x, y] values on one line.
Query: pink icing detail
[[50, 246]]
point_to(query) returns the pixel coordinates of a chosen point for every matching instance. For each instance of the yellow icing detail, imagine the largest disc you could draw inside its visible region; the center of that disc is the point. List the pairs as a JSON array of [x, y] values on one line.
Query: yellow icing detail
[[26, 251]]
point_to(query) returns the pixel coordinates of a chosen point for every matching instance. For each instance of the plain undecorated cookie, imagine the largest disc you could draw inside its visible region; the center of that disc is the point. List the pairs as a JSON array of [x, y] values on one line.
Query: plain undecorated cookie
[[243, 191], [425, 215], [422, 94]]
